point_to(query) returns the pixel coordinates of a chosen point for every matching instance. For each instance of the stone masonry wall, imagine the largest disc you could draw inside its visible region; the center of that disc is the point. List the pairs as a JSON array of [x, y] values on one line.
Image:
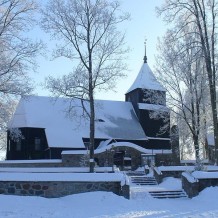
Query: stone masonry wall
[[56, 189], [191, 188], [204, 183]]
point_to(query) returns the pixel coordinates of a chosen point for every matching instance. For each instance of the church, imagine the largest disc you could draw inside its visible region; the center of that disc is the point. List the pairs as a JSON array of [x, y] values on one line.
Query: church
[[132, 133]]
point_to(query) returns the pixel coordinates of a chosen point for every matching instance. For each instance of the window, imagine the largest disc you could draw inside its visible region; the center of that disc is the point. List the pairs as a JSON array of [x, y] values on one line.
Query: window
[[87, 144], [18, 145], [37, 143]]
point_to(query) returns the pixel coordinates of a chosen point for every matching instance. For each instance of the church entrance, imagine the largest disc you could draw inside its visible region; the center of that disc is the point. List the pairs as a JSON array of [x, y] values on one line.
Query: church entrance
[[122, 161]]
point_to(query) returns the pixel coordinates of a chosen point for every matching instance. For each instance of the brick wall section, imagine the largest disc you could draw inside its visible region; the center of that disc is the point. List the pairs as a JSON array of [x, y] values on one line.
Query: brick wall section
[[56, 189]]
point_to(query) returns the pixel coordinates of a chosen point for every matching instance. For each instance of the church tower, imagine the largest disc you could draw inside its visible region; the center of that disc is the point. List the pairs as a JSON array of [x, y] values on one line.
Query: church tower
[[148, 97]]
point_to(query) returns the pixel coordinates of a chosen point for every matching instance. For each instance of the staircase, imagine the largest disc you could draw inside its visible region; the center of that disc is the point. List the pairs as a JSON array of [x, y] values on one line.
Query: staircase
[[143, 186], [143, 180], [168, 194]]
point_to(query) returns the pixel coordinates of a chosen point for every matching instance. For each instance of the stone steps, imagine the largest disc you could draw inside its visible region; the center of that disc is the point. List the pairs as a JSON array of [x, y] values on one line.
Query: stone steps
[[168, 194], [143, 180]]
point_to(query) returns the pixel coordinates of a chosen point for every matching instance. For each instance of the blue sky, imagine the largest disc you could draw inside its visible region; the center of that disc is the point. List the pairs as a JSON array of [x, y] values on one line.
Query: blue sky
[[143, 24]]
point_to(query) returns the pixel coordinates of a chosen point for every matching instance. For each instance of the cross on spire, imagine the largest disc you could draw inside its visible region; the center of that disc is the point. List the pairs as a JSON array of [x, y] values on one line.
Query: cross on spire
[[145, 57]]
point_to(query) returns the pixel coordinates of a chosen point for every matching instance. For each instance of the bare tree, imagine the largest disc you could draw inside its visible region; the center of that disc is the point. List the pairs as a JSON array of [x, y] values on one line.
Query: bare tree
[[181, 69], [88, 34], [17, 54], [203, 14]]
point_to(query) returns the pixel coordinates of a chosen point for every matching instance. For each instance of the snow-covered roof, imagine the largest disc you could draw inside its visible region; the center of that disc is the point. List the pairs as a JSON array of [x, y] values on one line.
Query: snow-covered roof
[[114, 119], [146, 80], [126, 144]]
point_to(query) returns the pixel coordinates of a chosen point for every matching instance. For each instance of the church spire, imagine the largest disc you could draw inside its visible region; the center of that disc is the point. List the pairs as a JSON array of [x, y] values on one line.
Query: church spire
[[145, 57]]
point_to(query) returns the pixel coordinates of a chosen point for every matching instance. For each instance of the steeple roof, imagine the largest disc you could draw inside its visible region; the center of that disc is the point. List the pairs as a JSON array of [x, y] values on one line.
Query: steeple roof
[[146, 80]]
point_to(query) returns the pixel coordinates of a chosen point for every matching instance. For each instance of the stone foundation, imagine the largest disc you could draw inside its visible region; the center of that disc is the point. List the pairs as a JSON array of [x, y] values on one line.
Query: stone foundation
[[56, 189]]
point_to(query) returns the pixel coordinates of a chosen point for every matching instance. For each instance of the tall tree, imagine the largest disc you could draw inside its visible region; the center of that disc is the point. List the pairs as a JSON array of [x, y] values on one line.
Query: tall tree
[[87, 32], [181, 69], [203, 14], [17, 53]]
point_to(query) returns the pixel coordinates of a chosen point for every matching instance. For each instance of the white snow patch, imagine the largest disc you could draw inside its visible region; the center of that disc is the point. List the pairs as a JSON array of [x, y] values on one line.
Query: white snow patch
[[156, 138], [146, 80], [171, 183], [153, 107], [205, 175], [31, 161], [120, 144], [54, 169], [176, 168], [72, 177], [189, 177], [109, 205]]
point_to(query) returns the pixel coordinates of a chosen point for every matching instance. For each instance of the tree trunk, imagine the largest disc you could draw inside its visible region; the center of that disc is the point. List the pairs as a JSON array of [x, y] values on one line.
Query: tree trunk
[[196, 145], [209, 55], [214, 113], [92, 134]]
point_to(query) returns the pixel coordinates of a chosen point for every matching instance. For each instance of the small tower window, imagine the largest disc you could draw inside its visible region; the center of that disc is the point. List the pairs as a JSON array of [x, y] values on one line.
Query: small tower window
[[37, 143]]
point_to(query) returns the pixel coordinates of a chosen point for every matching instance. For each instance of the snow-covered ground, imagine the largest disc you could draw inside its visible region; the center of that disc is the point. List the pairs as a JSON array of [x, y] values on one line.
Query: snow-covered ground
[[105, 205]]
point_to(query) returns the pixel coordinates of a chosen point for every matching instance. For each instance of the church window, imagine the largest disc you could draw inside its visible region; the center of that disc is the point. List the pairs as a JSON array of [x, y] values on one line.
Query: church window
[[37, 143], [18, 145]]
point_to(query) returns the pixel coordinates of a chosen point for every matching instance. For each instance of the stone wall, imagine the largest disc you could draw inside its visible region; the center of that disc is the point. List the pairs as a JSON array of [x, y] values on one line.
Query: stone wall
[[158, 175], [126, 191], [56, 189], [190, 187], [204, 183]]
